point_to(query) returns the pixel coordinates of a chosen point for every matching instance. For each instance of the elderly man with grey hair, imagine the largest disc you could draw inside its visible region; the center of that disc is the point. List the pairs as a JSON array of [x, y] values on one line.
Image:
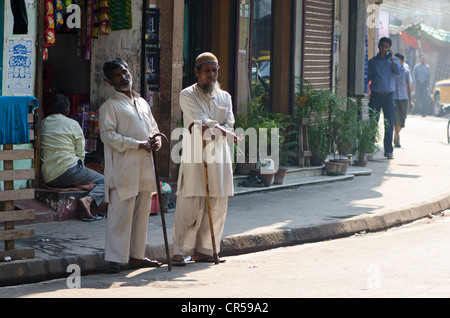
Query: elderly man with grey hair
[[203, 103], [126, 129]]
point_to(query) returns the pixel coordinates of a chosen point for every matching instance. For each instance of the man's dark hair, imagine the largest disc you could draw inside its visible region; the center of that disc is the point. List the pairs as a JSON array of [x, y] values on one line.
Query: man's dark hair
[[400, 56], [385, 39], [60, 104], [111, 65]]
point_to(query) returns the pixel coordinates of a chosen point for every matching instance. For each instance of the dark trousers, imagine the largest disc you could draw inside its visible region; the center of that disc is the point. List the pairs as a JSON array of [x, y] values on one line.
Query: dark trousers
[[423, 98], [385, 102]]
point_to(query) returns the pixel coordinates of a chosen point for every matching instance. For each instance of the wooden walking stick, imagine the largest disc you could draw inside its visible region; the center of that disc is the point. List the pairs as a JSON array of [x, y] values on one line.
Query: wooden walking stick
[[208, 199], [208, 203], [161, 208]]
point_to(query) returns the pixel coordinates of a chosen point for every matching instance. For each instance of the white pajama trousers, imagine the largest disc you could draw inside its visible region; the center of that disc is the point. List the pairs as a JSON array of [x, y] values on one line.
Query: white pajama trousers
[[191, 231], [127, 224]]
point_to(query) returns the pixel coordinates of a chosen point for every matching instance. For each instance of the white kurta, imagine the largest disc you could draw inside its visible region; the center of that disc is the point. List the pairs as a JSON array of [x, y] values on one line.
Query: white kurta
[[124, 123], [191, 231], [200, 107]]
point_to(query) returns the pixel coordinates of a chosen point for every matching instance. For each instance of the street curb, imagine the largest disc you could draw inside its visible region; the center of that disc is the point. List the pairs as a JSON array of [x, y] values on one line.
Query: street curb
[[241, 244], [38, 270]]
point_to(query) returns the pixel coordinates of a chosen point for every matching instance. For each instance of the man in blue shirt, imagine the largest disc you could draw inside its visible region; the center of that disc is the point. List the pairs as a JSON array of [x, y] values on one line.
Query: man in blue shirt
[[402, 99], [381, 73], [421, 80]]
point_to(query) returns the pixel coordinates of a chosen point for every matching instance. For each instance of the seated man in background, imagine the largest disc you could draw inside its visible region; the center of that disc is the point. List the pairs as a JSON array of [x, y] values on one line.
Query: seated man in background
[[62, 156]]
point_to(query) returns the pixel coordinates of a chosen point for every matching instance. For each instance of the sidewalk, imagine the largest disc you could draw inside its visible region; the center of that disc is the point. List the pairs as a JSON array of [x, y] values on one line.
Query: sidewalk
[[386, 193]]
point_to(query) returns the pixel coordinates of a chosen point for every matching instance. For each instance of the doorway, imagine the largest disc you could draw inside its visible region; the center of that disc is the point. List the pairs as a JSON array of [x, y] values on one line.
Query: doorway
[[197, 20]]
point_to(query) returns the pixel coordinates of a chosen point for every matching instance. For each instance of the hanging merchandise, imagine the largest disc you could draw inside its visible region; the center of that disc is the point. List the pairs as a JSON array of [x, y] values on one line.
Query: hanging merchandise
[[103, 9], [89, 28], [49, 32], [95, 24], [120, 14], [67, 3], [59, 19]]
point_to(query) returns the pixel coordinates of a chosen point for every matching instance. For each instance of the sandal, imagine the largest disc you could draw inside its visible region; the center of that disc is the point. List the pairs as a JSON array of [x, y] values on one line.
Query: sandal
[[145, 263], [95, 218], [180, 262]]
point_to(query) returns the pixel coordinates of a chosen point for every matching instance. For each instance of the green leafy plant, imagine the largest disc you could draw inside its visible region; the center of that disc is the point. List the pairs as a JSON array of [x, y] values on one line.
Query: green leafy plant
[[310, 101], [366, 134], [319, 136], [256, 116], [343, 127]]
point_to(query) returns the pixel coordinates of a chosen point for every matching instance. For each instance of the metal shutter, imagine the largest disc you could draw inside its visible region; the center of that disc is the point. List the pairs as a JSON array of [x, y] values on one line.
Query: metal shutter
[[317, 59]]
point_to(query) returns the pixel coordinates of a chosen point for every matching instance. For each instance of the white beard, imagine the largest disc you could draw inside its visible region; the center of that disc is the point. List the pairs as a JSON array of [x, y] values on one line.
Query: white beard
[[211, 88]]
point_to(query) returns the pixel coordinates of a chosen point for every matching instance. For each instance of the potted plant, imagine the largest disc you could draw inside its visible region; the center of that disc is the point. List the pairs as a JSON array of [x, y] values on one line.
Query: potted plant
[[319, 139], [310, 101], [312, 109], [343, 129], [366, 134], [256, 116], [287, 153]]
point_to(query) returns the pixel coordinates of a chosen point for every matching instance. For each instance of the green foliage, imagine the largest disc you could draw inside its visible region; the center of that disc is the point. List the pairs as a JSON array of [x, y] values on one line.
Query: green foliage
[[366, 134], [255, 115], [343, 127], [310, 101], [319, 136]]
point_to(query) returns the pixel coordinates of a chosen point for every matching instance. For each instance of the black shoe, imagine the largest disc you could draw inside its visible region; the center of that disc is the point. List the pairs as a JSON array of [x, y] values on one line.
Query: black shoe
[[144, 263], [112, 268]]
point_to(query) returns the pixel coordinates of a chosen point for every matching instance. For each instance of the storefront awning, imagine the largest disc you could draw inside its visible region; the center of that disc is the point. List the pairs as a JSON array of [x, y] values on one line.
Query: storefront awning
[[431, 39]]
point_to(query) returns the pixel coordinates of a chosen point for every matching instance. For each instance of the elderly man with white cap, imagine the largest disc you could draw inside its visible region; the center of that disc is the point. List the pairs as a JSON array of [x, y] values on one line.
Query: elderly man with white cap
[[203, 103]]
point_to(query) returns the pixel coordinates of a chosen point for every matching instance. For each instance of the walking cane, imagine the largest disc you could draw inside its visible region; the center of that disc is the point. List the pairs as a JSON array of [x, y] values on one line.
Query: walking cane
[[161, 208], [208, 200]]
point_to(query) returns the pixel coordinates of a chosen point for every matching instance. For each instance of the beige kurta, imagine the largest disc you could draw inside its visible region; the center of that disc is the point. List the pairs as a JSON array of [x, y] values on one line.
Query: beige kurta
[[62, 145], [210, 110], [124, 123], [191, 231]]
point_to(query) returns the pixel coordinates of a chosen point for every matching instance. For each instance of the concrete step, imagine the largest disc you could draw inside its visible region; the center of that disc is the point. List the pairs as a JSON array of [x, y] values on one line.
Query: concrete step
[[298, 177]]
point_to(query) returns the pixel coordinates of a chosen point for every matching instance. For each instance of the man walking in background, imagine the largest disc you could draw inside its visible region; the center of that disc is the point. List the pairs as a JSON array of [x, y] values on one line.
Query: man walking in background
[[402, 99], [381, 73], [421, 81]]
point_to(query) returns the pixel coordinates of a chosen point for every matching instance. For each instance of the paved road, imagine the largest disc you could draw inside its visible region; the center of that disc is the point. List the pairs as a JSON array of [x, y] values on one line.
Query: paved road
[[409, 261]]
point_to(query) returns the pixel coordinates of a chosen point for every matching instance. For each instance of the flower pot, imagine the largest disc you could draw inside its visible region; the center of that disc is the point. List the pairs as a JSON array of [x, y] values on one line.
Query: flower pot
[[333, 168], [345, 163], [360, 163], [317, 160], [266, 177], [279, 176]]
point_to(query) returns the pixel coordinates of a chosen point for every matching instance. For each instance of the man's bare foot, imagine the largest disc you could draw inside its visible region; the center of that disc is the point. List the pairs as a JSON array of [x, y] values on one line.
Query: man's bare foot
[[85, 204], [178, 260]]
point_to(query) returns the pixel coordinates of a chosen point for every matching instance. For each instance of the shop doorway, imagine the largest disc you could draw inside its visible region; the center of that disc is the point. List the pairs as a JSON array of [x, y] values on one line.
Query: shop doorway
[[211, 25], [197, 21], [67, 72], [261, 50]]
